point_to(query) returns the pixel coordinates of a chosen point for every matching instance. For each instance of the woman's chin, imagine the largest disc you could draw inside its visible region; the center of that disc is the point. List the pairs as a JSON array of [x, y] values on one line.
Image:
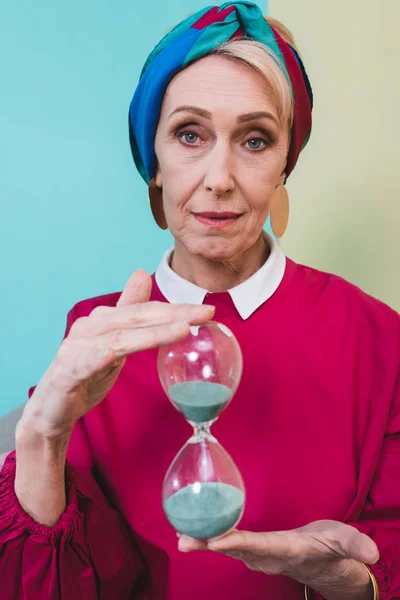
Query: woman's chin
[[214, 249]]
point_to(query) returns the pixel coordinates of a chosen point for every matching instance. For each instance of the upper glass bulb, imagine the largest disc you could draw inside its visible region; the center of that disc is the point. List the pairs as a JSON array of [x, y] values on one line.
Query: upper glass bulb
[[201, 373]]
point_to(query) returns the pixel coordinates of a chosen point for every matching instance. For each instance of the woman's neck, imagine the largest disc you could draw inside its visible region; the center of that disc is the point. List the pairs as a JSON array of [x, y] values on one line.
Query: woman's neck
[[219, 276]]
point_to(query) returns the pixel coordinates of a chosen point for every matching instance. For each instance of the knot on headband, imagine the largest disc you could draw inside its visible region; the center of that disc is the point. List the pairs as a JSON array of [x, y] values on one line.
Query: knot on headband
[[194, 38]]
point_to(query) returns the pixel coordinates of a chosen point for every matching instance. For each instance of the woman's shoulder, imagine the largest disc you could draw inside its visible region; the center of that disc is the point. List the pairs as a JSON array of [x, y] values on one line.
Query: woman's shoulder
[[83, 308], [332, 293]]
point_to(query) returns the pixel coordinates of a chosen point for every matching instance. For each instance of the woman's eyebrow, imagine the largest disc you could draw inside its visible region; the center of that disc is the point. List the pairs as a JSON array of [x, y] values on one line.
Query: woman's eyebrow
[[257, 115], [194, 109], [240, 119]]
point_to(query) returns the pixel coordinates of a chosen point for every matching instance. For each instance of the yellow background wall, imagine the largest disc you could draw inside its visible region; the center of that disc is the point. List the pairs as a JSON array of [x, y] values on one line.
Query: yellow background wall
[[345, 190]]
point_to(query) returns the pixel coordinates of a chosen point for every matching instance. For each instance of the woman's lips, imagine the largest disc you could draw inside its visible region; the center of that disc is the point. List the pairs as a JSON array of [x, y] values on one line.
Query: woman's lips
[[217, 220]]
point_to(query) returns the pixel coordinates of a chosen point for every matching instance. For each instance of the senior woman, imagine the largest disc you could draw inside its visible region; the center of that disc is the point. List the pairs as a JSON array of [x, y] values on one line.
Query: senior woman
[[220, 115]]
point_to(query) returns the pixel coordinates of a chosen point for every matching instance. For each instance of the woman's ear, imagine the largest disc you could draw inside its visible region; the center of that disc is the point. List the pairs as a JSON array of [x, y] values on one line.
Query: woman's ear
[[282, 178], [156, 204], [158, 177]]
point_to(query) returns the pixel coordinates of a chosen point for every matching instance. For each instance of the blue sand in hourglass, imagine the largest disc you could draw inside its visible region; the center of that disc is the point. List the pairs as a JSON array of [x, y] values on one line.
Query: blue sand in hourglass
[[200, 401], [204, 511]]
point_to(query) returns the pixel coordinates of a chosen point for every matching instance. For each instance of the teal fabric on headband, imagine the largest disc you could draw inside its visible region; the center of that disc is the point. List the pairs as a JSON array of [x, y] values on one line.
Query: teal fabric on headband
[[254, 25], [190, 40]]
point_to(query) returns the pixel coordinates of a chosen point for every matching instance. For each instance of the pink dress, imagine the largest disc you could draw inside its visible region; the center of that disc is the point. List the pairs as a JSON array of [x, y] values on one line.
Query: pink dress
[[314, 429]]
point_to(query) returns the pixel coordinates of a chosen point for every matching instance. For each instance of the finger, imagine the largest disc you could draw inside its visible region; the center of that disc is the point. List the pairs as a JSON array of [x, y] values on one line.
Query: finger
[[148, 314], [137, 289], [85, 356], [128, 341], [188, 544], [248, 541], [358, 546]]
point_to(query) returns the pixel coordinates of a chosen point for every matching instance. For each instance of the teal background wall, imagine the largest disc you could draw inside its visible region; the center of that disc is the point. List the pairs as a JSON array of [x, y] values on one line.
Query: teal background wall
[[74, 216]]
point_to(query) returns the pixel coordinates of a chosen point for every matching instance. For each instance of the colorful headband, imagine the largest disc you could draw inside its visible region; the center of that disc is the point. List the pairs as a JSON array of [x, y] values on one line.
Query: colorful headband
[[193, 38]]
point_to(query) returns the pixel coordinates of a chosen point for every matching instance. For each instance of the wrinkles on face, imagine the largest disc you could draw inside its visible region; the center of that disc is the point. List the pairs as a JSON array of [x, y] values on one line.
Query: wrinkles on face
[[214, 156]]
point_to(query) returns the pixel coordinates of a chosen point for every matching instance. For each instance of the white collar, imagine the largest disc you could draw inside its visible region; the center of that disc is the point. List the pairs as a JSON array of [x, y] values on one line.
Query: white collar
[[247, 296]]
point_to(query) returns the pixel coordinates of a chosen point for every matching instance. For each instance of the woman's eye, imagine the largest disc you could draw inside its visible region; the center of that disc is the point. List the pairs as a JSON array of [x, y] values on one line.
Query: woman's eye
[[189, 137], [257, 143]]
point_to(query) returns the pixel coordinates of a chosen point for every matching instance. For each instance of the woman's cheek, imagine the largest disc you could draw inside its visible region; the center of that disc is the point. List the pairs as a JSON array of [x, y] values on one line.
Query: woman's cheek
[[262, 204], [176, 216]]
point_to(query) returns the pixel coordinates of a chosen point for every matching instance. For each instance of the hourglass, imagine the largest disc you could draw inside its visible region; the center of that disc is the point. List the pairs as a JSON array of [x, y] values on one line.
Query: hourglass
[[203, 492]]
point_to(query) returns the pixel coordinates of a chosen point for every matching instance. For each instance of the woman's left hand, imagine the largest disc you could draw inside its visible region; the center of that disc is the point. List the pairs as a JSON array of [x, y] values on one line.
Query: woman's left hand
[[309, 554]]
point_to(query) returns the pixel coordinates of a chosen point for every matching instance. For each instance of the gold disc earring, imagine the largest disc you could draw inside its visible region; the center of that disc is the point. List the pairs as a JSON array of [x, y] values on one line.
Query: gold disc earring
[[156, 204], [279, 211]]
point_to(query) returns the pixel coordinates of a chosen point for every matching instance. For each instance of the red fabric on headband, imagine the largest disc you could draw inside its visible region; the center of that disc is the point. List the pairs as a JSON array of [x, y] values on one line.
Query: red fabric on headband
[[238, 34], [301, 127], [214, 15]]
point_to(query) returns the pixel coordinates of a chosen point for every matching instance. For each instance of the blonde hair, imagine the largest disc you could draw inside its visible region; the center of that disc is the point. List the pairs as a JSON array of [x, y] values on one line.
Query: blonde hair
[[265, 61]]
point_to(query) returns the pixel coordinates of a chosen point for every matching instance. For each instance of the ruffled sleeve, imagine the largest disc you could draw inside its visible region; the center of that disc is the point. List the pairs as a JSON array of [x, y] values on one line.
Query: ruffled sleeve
[[380, 518], [89, 554]]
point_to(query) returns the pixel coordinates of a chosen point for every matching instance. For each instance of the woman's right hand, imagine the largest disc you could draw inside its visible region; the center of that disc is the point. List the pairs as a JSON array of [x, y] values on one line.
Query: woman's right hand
[[90, 359]]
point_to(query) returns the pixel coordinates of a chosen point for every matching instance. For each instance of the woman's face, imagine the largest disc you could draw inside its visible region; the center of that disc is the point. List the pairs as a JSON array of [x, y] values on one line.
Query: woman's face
[[221, 153]]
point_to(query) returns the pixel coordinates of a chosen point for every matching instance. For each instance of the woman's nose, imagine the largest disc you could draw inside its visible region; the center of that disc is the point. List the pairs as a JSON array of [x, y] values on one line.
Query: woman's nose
[[219, 171]]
